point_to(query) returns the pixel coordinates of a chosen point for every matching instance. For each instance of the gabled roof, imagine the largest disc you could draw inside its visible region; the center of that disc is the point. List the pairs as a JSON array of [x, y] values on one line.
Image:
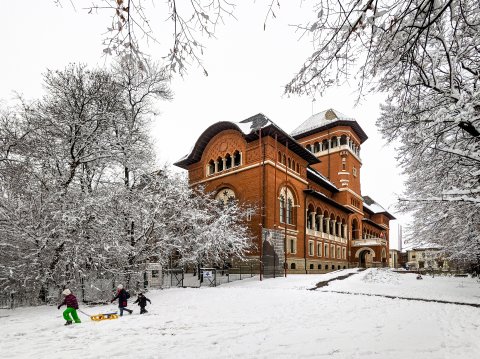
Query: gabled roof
[[374, 208], [325, 120], [250, 129]]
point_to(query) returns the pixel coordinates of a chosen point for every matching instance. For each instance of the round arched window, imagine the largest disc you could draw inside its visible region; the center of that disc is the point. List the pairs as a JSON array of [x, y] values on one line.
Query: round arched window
[[225, 195]]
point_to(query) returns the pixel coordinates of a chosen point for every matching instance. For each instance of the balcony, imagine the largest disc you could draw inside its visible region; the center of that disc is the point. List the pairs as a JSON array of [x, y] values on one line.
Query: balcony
[[326, 236], [369, 242]]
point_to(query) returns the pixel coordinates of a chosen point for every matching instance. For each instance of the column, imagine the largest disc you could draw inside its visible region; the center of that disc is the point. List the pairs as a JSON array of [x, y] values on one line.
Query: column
[[312, 215], [344, 230], [328, 225], [320, 220], [216, 166]]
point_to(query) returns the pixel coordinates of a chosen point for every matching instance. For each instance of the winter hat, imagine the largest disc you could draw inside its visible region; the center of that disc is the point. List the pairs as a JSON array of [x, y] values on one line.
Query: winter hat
[[66, 292], [120, 286]]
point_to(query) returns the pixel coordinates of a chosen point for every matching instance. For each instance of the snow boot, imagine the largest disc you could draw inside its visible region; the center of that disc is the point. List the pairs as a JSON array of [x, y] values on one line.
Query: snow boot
[[68, 322]]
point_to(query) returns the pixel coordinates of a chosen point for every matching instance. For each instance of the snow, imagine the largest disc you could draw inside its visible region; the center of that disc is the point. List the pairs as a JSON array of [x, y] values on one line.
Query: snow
[[274, 318], [318, 120], [319, 175]]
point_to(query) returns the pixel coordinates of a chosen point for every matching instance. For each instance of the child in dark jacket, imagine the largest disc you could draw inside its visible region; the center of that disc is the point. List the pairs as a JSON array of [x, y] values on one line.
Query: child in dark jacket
[[122, 297], [142, 302], [72, 305]]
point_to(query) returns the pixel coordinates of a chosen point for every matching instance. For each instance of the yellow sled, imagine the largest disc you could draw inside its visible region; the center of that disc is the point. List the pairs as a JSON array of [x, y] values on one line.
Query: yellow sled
[[105, 316]]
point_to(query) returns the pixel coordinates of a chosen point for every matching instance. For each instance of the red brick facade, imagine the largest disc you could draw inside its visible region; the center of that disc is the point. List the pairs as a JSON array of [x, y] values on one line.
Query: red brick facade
[[313, 196]]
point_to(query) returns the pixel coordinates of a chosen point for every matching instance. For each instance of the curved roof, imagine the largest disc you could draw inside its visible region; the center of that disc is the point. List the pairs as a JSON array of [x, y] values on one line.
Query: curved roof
[[250, 129], [325, 120]]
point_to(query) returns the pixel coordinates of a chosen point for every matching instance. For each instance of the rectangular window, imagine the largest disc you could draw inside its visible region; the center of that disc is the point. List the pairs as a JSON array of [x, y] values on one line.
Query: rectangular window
[[293, 247], [155, 273], [339, 254], [332, 251], [319, 249], [310, 248], [325, 251], [344, 253]]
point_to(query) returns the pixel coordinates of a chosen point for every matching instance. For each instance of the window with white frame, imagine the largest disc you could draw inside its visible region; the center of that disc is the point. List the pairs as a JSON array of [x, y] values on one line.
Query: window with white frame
[[332, 251], [282, 208], [325, 250], [339, 253], [310, 248], [292, 245], [287, 203], [319, 249], [344, 253]]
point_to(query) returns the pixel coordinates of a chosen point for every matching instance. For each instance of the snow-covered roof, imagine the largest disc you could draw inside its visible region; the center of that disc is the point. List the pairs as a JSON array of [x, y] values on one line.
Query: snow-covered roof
[[325, 120], [319, 120], [250, 128], [321, 177], [374, 207]]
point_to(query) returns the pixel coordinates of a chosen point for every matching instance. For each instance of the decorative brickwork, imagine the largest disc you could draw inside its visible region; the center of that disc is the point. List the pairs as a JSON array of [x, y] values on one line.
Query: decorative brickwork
[[324, 218]]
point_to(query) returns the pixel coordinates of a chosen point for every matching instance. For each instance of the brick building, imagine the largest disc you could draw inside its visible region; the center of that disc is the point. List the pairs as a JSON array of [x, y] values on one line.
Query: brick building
[[303, 186]]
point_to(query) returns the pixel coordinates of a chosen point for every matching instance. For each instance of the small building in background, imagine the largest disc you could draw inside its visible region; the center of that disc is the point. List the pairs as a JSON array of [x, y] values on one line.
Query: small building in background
[[426, 258]]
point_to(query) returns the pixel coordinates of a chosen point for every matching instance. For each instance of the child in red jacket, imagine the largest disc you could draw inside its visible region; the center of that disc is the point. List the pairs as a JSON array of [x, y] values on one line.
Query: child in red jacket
[[72, 306]]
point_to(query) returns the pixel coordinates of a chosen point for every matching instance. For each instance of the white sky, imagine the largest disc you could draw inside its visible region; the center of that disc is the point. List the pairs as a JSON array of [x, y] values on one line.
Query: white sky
[[247, 66]]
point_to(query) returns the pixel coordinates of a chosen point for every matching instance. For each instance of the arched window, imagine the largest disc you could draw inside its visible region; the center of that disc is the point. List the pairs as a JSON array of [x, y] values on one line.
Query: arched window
[[343, 140], [282, 208], [225, 195], [211, 167], [290, 211], [284, 160], [279, 156], [289, 163], [316, 147], [326, 266], [292, 266], [311, 266], [237, 159], [355, 229], [228, 161], [298, 168], [325, 145], [334, 142], [309, 147], [220, 164], [319, 266], [287, 203]]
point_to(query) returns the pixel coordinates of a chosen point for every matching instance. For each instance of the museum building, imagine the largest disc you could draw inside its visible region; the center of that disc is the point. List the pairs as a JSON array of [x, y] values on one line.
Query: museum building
[[304, 187]]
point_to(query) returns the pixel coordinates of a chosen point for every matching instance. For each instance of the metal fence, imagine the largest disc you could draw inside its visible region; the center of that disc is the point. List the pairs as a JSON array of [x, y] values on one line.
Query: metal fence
[[206, 277]]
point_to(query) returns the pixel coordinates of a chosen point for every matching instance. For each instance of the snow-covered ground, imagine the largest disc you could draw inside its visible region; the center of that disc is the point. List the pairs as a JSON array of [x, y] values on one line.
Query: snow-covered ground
[[275, 318]]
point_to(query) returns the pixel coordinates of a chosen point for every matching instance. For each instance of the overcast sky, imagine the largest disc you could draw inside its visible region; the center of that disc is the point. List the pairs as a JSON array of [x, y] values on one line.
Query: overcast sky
[[247, 67]]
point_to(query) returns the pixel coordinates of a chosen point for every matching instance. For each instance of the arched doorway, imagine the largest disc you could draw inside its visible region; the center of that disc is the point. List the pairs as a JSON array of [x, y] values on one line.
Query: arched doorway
[[363, 259]]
